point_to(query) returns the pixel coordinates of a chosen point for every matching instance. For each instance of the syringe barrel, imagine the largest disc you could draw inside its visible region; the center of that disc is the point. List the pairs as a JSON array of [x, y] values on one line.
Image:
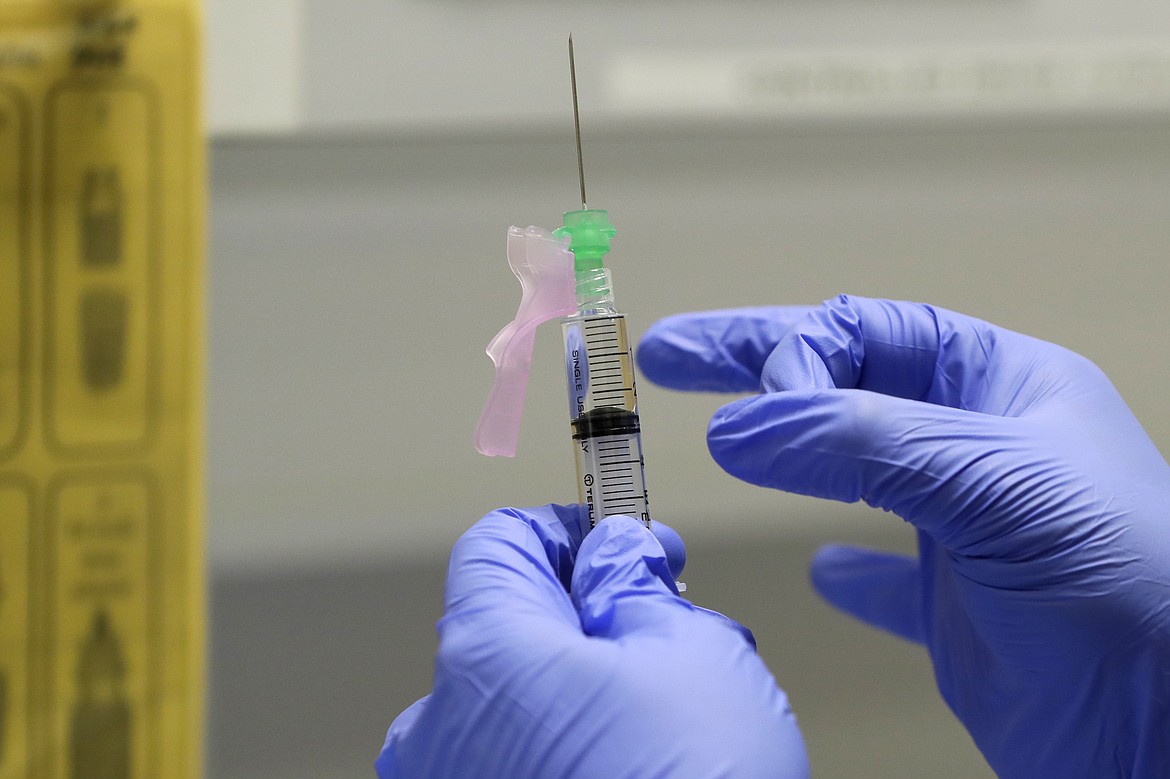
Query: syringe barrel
[[603, 413]]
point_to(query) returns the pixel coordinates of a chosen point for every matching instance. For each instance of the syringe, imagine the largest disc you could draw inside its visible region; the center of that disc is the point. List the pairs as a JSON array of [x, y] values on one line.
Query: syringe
[[603, 400]]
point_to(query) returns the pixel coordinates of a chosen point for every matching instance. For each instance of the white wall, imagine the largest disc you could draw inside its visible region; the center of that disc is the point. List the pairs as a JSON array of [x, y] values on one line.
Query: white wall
[[354, 284]]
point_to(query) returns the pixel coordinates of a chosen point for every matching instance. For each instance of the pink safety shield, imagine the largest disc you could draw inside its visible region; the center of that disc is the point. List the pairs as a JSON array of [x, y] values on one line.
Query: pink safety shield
[[544, 265]]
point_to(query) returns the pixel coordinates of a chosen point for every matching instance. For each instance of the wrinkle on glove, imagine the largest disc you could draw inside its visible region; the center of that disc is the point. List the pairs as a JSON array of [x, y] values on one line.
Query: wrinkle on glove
[[620, 678], [1042, 584]]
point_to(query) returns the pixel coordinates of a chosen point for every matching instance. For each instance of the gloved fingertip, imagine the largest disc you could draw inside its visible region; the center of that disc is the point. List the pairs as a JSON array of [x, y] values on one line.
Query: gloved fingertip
[[672, 544], [880, 588], [731, 419], [655, 359], [405, 721], [833, 563], [715, 351], [386, 764], [733, 434]]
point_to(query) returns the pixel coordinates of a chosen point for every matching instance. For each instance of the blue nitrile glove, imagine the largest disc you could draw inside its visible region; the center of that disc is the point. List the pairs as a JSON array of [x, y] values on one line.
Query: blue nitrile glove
[[621, 679], [1042, 583]]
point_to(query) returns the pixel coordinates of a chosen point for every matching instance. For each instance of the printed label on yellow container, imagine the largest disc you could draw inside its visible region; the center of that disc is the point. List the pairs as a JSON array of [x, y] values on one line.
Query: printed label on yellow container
[[14, 266], [104, 635], [101, 241], [15, 633], [101, 190]]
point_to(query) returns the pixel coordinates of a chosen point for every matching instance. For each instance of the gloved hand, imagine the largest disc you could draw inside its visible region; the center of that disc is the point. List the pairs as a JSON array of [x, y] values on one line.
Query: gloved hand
[[621, 679], [1042, 584]]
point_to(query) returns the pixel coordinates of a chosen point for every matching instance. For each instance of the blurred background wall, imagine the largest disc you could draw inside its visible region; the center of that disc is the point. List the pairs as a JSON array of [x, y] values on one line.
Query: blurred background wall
[[1006, 158]]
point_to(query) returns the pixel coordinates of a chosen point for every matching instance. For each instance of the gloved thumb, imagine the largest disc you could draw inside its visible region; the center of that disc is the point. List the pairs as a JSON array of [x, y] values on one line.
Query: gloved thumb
[[621, 580], [878, 588]]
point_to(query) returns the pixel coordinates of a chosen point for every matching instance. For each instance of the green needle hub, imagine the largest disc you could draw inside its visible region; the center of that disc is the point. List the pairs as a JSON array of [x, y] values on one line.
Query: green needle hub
[[589, 235]]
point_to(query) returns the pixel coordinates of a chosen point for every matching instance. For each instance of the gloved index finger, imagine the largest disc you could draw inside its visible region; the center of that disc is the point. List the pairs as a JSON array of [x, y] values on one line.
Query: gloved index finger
[[714, 351], [511, 568]]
